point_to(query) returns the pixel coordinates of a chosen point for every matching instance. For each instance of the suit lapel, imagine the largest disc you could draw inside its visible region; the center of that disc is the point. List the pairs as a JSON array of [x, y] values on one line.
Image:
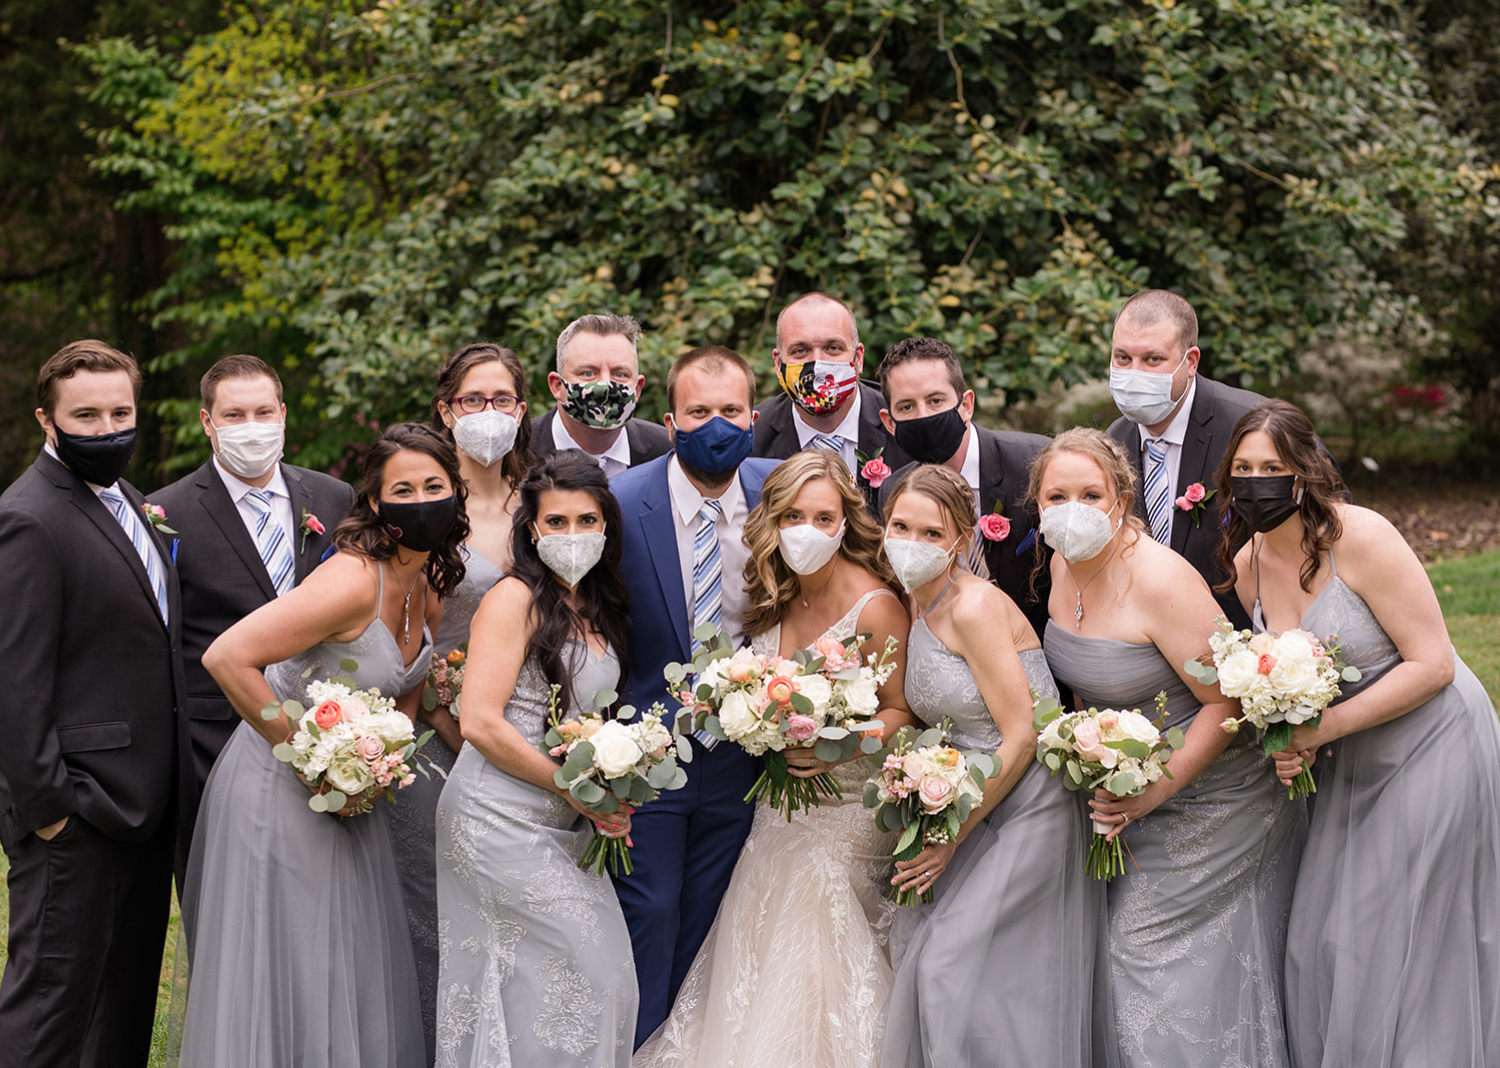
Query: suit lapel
[[784, 440], [660, 532], [99, 514], [1194, 458], [541, 430], [302, 505], [221, 509]]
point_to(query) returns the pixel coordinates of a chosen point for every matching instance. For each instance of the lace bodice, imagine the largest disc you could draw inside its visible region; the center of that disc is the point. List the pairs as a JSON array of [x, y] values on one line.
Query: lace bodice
[[528, 706], [939, 684]]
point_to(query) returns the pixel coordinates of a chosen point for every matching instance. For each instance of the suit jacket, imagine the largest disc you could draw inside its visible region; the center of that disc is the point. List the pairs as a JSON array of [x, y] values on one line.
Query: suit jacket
[[661, 631], [647, 440], [93, 675], [1216, 409], [1004, 469], [776, 433]]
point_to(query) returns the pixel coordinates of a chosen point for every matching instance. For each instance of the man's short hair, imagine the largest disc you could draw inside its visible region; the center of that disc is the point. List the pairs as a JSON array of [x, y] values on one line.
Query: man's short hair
[[911, 349], [715, 359], [605, 325], [853, 326], [1151, 306], [235, 367], [87, 355]]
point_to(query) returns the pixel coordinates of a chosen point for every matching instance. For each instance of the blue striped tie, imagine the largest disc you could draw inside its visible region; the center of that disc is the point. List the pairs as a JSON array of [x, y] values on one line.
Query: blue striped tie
[[1158, 499], [270, 540], [708, 583], [135, 529], [831, 442]]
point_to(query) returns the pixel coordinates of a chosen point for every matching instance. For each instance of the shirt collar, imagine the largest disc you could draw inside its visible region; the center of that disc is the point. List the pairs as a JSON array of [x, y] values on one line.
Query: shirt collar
[[238, 488], [1176, 432], [970, 469], [619, 450], [688, 502], [848, 427]]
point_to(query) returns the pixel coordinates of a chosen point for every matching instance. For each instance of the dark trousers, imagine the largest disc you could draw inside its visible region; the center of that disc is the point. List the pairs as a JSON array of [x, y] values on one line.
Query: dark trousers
[[686, 844], [88, 917]]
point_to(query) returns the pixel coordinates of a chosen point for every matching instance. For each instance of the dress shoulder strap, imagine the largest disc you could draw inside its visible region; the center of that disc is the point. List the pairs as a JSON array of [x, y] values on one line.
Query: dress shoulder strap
[[1332, 564]]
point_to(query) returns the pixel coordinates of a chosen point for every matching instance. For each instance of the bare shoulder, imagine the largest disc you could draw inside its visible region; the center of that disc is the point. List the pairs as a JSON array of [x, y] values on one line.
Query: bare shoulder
[[980, 604], [1365, 528], [883, 613]]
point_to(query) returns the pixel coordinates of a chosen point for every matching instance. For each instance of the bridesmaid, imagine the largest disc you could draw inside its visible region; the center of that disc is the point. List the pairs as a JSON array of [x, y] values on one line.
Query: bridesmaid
[[1393, 955], [1197, 924], [299, 946], [480, 405], [535, 964], [1013, 887]]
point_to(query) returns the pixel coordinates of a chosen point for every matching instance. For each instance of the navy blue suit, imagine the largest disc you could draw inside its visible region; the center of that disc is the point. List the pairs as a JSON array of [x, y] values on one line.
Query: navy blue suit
[[686, 842]]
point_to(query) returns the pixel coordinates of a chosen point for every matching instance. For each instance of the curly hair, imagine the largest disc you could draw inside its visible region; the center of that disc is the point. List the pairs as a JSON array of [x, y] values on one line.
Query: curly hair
[[361, 530], [450, 379], [1296, 444], [602, 601], [769, 584]]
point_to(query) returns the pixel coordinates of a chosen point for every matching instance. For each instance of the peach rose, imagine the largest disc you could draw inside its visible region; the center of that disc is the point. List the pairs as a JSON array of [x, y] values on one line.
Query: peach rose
[[935, 792], [328, 715], [1264, 665], [780, 690]]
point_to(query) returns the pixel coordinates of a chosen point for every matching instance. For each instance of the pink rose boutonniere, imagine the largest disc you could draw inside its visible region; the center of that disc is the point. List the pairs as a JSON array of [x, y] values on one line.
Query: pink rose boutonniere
[[310, 525], [156, 515], [1193, 500], [994, 527], [873, 469]]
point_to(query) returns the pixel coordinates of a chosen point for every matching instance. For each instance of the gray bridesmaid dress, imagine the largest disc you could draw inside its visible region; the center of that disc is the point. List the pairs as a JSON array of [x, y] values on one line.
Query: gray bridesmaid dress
[[299, 943], [1191, 975], [1393, 956], [1000, 967], [411, 822], [535, 967]]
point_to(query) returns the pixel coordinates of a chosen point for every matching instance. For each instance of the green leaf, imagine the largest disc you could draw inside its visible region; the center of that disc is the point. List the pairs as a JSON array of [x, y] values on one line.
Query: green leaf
[[1278, 737], [589, 793], [1351, 674], [1175, 738], [318, 803], [829, 751], [908, 836], [283, 752], [348, 665], [335, 799], [429, 699], [605, 698], [271, 711]]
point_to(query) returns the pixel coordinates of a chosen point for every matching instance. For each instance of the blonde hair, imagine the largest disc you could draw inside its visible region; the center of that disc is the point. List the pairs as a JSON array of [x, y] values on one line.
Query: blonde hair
[[947, 488], [769, 584], [1105, 451]]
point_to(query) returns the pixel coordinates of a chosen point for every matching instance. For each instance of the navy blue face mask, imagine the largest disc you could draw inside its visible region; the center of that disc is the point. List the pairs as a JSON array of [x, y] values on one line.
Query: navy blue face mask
[[715, 448]]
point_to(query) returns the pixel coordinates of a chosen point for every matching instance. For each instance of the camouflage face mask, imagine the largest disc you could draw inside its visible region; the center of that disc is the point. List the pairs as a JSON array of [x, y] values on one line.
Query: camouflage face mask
[[605, 405]]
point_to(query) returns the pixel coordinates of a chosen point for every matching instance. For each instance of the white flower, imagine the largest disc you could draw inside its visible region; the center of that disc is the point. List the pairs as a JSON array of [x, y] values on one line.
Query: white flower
[[737, 716], [1295, 674], [860, 696], [816, 689], [1136, 726], [616, 750], [350, 774], [1237, 674]]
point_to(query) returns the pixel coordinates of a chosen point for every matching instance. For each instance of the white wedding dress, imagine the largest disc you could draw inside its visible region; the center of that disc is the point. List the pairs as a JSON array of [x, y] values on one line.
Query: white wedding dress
[[795, 972]]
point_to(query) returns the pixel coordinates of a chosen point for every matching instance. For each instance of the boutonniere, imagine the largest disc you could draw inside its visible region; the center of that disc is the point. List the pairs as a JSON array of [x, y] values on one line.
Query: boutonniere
[[873, 469], [1193, 500], [156, 515], [310, 525], [994, 527]]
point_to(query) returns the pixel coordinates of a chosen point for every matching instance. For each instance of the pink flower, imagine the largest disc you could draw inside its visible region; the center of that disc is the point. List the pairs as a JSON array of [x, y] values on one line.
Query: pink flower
[[370, 747], [1265, 663], [995, 527], [831, 648], [1195, 492], [780, 690], [156, 512], [312, 523], [1184, 504], [741, 671], [558, 751], [801, 728], [1108, 721], [935, 792], [410, 778], [875, 471], [1088, 742], [1262, 642], [327, 715]]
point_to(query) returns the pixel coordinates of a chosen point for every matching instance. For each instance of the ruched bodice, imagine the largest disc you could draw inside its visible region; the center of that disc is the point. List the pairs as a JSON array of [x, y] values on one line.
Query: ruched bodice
[[1108, 673], [376, 653]]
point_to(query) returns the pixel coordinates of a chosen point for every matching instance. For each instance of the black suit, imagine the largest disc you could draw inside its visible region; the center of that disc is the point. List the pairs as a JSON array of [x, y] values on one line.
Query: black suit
[[93, 687], [776, 433], [647, 440], [1004, 469], [1216, 409], [223, 580]]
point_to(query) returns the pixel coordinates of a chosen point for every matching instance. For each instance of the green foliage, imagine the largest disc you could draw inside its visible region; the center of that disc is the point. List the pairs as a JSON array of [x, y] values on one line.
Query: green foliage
[[358, 192]]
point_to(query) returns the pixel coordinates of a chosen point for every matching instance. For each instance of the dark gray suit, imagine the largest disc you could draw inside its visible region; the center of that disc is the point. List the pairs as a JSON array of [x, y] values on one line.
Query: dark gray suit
[[94, 686], [776, 433], [647, 440]]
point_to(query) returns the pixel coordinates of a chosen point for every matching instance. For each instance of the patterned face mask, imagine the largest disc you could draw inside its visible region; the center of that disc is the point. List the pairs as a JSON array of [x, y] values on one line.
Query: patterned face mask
[[819, 386], [604, 405]]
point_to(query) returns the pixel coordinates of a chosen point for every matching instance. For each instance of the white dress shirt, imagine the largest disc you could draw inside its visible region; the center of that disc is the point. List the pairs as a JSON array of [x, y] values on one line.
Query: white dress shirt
[[1174, 436], [281, 503], [847, 431], [614, 459], [687, 502]]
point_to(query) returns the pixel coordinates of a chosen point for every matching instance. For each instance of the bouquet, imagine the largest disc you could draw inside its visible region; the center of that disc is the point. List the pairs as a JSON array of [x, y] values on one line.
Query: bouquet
[[925, 789], [1122, 751], [1281, 680], [821, 698], [348, 743], [445, 680], [628, 760]]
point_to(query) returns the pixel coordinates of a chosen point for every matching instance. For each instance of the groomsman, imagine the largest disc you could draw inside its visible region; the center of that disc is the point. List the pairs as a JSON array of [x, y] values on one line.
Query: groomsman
[[823, 403], [930, 412], [248, 529], [684, 560], [596, 385], [89, 769]]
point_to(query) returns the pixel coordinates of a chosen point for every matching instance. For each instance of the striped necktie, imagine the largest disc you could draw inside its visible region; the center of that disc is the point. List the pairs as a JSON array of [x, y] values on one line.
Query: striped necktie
[[708, 582], [135, 529], [831, 442], [271, 543], [1158, 499]]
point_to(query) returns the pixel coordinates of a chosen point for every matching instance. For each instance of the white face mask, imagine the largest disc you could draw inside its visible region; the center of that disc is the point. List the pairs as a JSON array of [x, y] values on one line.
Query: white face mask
[[249, 450], [571, 556], [486, 437], [1077, 530], [916, 563], [1144, 397], [805, 548]]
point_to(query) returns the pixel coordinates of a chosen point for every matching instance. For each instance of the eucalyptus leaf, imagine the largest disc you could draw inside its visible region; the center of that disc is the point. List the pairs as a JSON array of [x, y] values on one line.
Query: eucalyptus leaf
[[335, 799], [429, 699], [1351, 674], [1175, 738], [828, 750], [605, 698], [348, 665], [832, 731], [283, 752], [318, 803], [870, 744], [271, 711]]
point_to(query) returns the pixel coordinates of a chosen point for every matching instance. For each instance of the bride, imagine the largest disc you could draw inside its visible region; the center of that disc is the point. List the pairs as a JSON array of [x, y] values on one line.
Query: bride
[[795, 970]]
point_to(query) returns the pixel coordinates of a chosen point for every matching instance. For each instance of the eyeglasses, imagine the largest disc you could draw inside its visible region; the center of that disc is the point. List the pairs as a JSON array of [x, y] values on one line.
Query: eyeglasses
[[474, 403]]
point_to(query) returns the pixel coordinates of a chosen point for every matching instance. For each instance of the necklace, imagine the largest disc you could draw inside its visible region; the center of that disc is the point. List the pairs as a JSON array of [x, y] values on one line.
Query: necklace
[[1078, 602], [406, 606], [803, 597]]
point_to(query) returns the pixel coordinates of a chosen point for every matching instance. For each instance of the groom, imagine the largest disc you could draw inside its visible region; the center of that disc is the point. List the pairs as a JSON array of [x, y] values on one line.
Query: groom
[[684, 563]]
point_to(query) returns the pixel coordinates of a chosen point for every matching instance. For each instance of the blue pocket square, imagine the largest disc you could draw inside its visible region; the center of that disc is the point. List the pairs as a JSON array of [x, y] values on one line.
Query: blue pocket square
[[1026, 542], [327, 553], [175, 542]]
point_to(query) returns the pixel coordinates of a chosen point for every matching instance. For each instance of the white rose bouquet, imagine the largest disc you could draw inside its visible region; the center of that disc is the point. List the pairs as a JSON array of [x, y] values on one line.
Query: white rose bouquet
[[445, 680], [1122, 751], [349, 743], [1281, 680], [823, 698], [624, 760], [925, 789]]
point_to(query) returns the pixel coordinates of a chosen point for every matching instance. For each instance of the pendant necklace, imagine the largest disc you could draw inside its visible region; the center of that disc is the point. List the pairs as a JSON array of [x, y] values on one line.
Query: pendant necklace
[[405, 607], [803, 596], [1078, 602]]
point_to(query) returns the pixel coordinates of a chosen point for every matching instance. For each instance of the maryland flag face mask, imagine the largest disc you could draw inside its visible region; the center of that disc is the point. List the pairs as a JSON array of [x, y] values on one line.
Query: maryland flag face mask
[[819, 386]]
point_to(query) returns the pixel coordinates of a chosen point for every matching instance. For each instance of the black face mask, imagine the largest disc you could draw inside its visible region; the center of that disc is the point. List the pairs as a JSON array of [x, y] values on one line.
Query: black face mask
[[1265, 502], [100, 459], [419, 526], [932, 439]]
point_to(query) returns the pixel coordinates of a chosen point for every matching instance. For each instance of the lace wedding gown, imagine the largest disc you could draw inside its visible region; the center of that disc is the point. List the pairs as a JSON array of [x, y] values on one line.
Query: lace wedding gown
[[795, 972]]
